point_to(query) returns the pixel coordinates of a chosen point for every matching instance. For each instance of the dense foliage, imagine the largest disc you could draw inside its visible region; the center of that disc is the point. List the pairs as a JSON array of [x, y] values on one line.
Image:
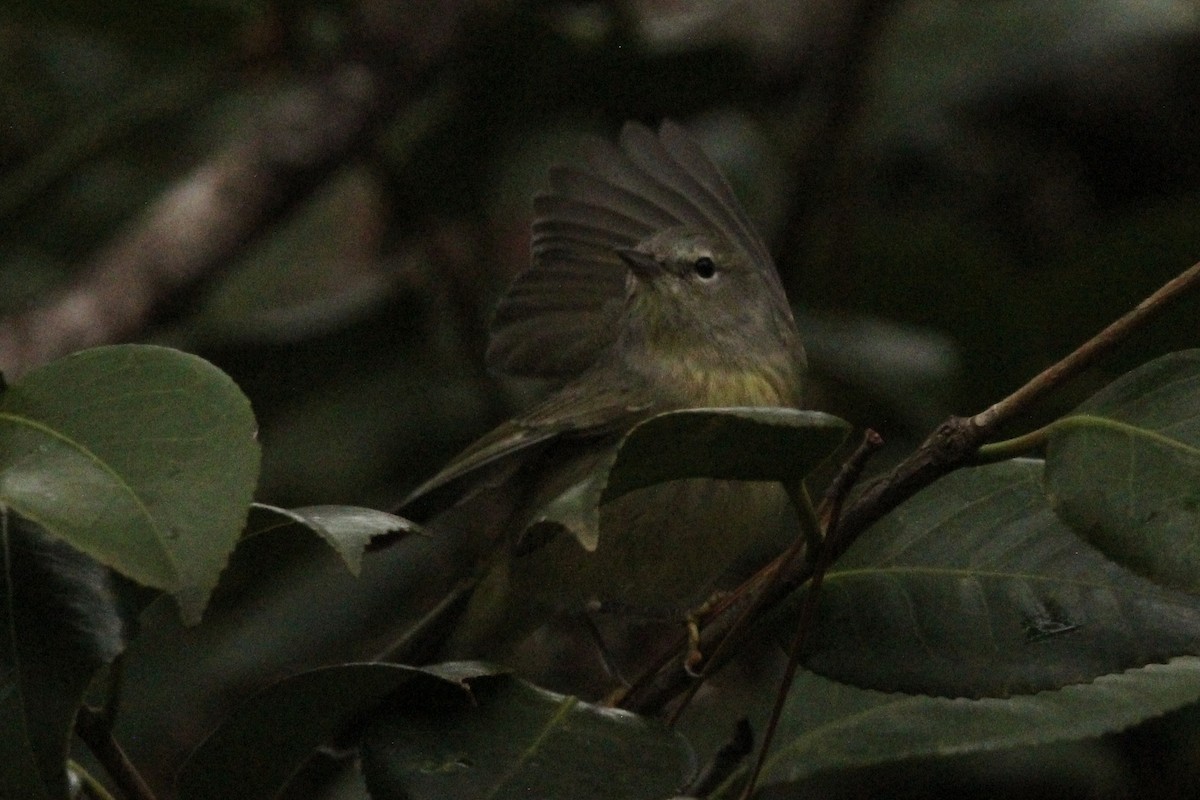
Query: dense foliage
[[304, 212]]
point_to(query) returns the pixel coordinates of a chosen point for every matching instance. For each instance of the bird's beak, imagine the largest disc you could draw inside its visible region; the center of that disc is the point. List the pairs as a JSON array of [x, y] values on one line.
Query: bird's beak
[[641, 264]]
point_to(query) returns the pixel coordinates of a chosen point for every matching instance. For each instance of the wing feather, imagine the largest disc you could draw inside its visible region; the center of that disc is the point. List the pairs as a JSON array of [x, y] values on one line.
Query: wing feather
[[588, 408], [559, 316]]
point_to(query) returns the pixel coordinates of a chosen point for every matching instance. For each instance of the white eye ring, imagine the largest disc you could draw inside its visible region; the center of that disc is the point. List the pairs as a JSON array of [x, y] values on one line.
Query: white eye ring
[[705, 268]]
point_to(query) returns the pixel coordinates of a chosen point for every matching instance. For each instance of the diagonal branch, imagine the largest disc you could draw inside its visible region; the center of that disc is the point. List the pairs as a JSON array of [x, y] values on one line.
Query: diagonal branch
[[208, 217], [201, 223], [953, 445], [956, 440]]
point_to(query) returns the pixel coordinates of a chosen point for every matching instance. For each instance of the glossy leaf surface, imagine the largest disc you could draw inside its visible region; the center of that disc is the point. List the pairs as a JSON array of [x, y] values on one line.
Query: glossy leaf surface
[[744, 444], [142, 457], [1123, 470], [518, 741], [974, 588], [834, 726], [347, 529], [261, 745]]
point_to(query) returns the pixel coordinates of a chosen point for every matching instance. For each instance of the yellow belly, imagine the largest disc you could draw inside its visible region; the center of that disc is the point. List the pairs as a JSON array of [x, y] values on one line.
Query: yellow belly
[[723, 387]]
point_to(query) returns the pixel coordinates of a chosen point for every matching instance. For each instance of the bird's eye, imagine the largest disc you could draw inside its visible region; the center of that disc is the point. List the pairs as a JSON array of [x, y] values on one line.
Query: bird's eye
[[704, 268]]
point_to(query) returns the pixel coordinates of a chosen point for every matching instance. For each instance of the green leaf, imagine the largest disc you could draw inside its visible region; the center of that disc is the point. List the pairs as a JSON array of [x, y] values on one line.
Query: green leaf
[[740, 444], [142, 457], [260, 746], [1123, 470], [744, 444], [975, 588], [830, 726], [518, 741], [59, 624], [347, 529]]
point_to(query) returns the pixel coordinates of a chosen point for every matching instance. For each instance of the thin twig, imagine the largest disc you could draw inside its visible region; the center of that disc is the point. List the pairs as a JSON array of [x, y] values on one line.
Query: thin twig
[[747, 599], [723, 762], [954, 444], [726, 618], [93, 728], [88, 785], [847, 478], [422, 638], [1100, 344], [957, 440], [838, 490]]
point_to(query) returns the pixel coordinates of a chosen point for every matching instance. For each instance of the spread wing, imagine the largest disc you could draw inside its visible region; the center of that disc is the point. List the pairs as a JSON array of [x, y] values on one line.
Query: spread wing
[[588, 408], [559, 315]]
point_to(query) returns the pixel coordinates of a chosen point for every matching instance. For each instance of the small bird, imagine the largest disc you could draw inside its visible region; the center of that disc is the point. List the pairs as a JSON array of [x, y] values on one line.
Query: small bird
[[649, 291]]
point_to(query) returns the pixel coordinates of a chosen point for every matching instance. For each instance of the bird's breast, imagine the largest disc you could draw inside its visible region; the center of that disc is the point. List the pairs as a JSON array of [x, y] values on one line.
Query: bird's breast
[[700, 384]]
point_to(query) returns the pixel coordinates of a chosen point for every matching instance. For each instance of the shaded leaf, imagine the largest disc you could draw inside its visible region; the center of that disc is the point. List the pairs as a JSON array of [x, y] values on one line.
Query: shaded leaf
[[519, 741], [1123, 470], [258, 748], [143, 457], [60, 622], [909, 373], [347, 529], [831, 726], [745, 444], [975, 588]]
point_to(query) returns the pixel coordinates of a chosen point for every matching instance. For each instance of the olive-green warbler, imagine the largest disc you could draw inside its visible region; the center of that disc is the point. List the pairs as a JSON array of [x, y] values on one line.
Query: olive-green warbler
[[649, 291]]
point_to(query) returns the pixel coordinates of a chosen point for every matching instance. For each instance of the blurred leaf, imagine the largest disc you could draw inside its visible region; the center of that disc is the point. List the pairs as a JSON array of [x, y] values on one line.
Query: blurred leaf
[[143, 457], [975, 588], [261, 745], [318, 272], [745, 444], [86, 138], [831, 726], [59, 623], [742, 444], [518, 741], [169, 31], [891, 370], [285, 604], [1124, 470], [347, 529]]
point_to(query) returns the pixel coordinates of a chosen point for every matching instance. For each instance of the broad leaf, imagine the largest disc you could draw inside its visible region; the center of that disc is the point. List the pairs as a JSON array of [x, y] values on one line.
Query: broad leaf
[[59, 623], [745, 444], [347, 529], [258, 748], [142, 457], [830, 726], [1123, 470], [518, 741], [975, 588], [741, 444]]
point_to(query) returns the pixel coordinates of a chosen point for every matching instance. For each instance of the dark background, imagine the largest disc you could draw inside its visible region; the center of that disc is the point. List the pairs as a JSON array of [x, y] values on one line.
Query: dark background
[[957, 194]]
